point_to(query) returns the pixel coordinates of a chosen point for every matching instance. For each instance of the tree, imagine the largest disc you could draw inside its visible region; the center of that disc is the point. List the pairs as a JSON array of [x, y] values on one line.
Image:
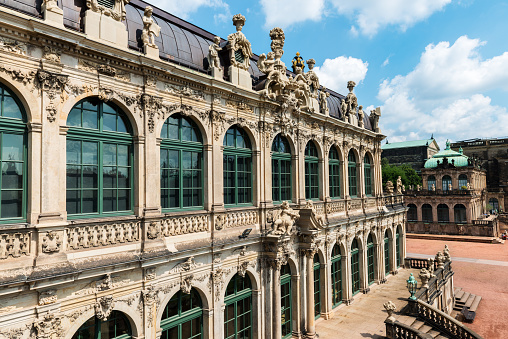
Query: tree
[[407, 174]]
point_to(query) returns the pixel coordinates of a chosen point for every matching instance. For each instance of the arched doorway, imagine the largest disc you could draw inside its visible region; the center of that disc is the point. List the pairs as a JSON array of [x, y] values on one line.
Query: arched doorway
[[427, 213], [370, 260], [355, 267], [285, 305], [336, 276], [183, 317], [460, 214], [412, 215], [443, 213], [116, 326], [238, 311], [317, 285]]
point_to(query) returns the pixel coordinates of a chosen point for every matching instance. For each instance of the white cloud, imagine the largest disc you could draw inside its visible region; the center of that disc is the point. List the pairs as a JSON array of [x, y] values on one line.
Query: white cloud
[[445, 94], [386, 62], [284, 13], [335, 73], [183, 9], [370, 16]]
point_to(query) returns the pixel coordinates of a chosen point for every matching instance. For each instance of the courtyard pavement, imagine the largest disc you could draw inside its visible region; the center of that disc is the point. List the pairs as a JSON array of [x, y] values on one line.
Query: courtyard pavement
[[365, 317], [480, 269]]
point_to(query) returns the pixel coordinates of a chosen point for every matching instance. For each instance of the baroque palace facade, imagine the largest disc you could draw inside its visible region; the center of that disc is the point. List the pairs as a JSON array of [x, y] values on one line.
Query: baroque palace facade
[[160, 182]]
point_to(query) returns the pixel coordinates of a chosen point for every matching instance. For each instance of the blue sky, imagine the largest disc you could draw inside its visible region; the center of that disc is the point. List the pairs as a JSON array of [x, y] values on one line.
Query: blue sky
[[434, 66]]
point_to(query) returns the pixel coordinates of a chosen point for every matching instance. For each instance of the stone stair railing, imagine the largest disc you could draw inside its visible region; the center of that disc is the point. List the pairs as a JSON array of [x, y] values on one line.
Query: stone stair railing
[[440, 320], [398, 330]]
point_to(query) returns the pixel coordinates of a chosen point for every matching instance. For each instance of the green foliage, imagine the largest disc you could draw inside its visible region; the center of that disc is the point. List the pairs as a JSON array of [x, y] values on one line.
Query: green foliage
[[407, 174]]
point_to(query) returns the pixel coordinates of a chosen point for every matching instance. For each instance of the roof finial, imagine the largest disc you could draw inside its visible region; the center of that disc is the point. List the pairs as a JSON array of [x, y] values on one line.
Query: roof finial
[[447, 144], [461, 151], [387, 141], [432, 136]]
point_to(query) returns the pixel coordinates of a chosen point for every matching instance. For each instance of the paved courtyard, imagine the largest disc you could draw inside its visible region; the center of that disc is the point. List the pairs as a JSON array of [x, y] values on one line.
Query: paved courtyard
[[365, 317], [481, 269]]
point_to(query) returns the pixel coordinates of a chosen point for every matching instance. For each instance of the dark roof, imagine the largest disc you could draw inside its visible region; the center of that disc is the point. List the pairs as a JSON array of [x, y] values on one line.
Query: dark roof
[[180, 42]]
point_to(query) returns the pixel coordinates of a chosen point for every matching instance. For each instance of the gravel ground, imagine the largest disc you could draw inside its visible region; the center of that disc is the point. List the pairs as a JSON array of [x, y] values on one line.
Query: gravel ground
[[488, 281]]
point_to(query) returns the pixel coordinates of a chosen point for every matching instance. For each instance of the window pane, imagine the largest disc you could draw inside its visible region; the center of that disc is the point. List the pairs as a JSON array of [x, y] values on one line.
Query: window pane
[[124, 200], [12, 146], [109, 177], [11, 204], [186, 160], [90, 119], [73, 152], [90, 153], [12, 175], [109, 200], [90, 177], [74, 118], [109, 154], [73, 176], [122, 124], [123, 177], [11, 108], [89, 201], [109, 122], [73, 202], [123, 155]]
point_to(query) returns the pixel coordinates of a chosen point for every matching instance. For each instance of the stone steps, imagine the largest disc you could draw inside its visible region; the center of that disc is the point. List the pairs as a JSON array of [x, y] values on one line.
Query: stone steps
[[421, 326], [466, 303]]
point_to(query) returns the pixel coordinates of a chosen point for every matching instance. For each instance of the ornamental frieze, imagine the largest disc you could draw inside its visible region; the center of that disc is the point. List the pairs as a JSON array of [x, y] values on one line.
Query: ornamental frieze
[[235, 219], [13, 46], [14, 245], [184, 225], [101, 235]]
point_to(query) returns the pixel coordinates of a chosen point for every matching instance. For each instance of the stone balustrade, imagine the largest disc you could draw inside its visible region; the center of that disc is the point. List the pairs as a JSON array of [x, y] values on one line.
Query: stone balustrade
[[88, 236], [14, 244], [178, 225], [398, 330]]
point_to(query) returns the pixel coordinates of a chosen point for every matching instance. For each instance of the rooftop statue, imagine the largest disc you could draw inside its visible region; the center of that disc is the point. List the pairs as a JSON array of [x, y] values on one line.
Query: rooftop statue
[[239, 47], [150, 28], [213, 53], [375, 114], [323, 104], [351, 100], [298, 64], [360, 116], [399, 185]]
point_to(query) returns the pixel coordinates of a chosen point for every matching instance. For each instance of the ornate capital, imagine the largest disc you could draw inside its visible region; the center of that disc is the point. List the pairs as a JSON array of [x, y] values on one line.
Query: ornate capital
[[104, 307]]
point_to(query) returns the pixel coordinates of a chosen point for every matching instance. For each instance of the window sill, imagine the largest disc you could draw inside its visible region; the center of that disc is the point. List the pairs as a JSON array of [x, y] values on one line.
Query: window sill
[[84, 219], [182, 211]]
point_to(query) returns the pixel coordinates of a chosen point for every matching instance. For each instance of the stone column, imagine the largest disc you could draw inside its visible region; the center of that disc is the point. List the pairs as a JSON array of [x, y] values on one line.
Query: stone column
[[208, 323], [266, 172], [361, 177], [301, 178], [326, 295], [296, 314], [257, 181], [378, 261], [326, 178], [345, 180], [311, 328], [277, 325], [434, 212], [393, 253], [321, 179], [34, 184], [364, 278], [347, 282], [208, 185], [217, 176], [295, 177]]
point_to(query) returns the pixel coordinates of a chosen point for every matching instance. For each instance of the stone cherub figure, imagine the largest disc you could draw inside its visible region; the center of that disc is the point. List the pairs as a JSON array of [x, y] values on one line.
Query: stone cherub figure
[[389, 187], [399, 185], [433, 188], [150, 28], [360, 116], [425, 277], [446, 254], [213, 53], [323, 104], [343, 109], [375, 114], [240, 48], [283, 223]]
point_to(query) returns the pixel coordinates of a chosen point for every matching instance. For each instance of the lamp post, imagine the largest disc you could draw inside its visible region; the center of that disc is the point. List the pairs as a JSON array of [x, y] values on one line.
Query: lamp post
[[411, 286]]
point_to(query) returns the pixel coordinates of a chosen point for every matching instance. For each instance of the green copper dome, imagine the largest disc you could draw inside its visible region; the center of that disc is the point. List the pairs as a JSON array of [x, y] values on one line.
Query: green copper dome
[[456, 158]]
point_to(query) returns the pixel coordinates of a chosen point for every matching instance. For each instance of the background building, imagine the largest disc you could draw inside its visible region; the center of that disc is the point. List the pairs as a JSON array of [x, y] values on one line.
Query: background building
[[452, 199], [174, 185], [413, 153]]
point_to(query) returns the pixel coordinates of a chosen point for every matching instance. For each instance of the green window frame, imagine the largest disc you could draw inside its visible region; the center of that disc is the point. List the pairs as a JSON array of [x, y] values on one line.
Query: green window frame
[[281, 170], [13, 158], [183, 317], [398, 239], [412, 214], [352, 177], [445, 181], [286, 302], [238, 310], [237, 168], [99, 161], [370, 260], [459, 214], [336, 276], [443, 213], [427, 213], [431, 180], [367, 171], [116, 326], [355, 267], [317, 286], [311, 171], [462, 181], [181, 165], [334, 166], [387, 253]]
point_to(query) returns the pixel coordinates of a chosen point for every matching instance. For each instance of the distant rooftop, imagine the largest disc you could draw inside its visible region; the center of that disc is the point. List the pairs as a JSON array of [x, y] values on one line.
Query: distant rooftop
[[406, 144]]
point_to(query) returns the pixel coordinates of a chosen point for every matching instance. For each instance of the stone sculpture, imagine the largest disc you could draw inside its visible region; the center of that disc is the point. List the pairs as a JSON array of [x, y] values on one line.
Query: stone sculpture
[[430, 262], [360, 116], [239, 47], [468, 186], [446, 253], [150, 29], [375, 114], [323, 104], [390, 308], [450, 187], [298, 64], [284, 219], [213, 53], [425, 277], [399, 185], [433, 188], [440, 259], [389, 187], [351, 100], [266, 62], [312, 78]]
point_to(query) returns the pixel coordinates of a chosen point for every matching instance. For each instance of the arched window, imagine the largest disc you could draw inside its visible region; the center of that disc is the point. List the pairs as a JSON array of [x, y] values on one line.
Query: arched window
[[398, 245], [317, 286], [183, 317], [431, 180], [367, 170], [237, 167], [412, 214], [311, 171], [387, 253], [181, 164], [355, 266], [351, 171], [462, 181], [336, 276], [460, 214], [238, 311], [281, 169], [494, 203], [370, 259], [115, 327], [334, 169], [447, 181], [99, 160], [427, 213], [443, 214], [13, 158], [285, 306]]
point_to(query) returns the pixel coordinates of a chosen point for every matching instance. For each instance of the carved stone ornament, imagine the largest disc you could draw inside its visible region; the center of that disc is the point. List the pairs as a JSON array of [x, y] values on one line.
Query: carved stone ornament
[[104, 307], [242, 268], [51, 242], [446, 254], [52, 54], [150, 273], [47, 297], [217, 282], [153, 230], [186, 266], [390, 308], [13, 46], [283, 219], [14, 245], [150, 29], [186, 284], [425, 277], [239, 47], [18, 75], [389, 187], [48, 327], [117, 12], [107, 283], [213, 53]]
